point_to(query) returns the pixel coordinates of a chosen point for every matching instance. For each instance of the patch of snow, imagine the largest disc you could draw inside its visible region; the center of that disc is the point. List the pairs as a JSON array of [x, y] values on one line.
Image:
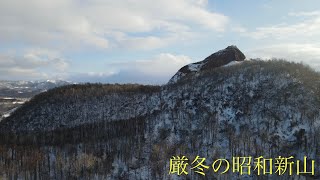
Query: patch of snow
[[233, 63], [7, 98], [17, 102], [51, 81], [6, 115], [195, 67], [176, 77]]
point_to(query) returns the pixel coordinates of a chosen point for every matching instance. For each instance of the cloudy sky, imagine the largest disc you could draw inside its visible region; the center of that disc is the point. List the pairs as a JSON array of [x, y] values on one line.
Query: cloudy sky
[[147, 41]]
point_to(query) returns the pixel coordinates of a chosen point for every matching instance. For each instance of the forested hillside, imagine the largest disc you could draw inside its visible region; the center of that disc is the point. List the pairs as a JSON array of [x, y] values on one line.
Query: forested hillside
[[252, 108]]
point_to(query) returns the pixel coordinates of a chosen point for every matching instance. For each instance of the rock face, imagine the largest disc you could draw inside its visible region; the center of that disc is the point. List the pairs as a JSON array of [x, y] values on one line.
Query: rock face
[[218, 59]]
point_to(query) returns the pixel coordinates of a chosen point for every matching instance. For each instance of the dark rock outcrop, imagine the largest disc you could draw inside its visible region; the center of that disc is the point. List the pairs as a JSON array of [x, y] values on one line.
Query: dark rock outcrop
[[223, 57], [218, 59]]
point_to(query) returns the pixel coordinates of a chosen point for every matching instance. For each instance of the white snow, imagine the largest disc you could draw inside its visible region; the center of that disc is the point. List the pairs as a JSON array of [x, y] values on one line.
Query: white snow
[[232, 63], [195, 67]]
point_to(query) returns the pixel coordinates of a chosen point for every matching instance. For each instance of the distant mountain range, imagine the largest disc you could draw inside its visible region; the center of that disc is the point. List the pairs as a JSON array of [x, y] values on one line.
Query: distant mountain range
[[221, 107], [27, 89], [14, 93]]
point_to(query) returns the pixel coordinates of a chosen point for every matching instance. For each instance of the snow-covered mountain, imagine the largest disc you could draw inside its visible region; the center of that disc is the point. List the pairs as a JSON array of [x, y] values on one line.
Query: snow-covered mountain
[[27, 89], [15, 93], [217, 108]]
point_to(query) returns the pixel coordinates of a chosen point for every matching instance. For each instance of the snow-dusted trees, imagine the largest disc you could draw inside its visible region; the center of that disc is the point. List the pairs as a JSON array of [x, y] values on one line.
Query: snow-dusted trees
[[255, 108]]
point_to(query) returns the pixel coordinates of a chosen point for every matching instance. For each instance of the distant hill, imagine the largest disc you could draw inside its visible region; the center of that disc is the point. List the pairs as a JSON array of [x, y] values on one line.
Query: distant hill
[[27, 89], [15, 93]]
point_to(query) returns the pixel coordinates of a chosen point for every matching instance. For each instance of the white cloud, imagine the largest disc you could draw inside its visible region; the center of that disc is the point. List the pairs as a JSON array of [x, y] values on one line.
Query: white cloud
[[156, 70], [303, 28], [16, 73], [306, 53], [67, 25], [239, 29], [304, 13], [293, 41], [145, 43], [32, 64], [164, 65], [73, 24], [43, 58]]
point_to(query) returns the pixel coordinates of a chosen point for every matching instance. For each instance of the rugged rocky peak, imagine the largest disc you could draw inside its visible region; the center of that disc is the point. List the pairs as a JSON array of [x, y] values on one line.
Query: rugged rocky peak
[[222, 57], [229, 55]]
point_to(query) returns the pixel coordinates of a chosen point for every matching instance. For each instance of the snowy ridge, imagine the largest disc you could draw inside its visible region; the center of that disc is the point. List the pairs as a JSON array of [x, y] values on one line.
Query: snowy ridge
[[194, 67]]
